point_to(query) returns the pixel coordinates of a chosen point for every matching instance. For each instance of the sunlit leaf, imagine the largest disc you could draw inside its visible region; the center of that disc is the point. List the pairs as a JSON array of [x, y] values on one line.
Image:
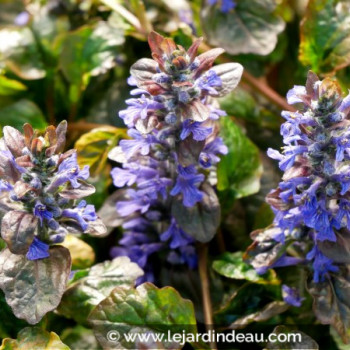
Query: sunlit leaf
[[10, 86], [231, 265], [94, 146], [82, 254], [89, 290], [144, 309], [34, 338], [325, 36]]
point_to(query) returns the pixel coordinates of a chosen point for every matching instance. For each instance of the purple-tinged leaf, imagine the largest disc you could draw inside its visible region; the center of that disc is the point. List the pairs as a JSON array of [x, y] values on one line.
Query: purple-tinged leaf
[[306, 342], [61, 136], [97, 228], [21, 189], [17, 230], [202, 220], [14, 140], [28, 134], [230, 75], [188, 151], [207, 59], [196, 111], [82, 191], [332, 301], [33, 288]]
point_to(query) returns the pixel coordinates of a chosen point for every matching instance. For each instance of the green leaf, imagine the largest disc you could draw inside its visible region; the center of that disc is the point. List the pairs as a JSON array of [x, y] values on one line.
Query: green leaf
[[251, 27], [248, 301], [89, 290], [94, 146], [20, 53], [33, 288], [82, 254], [34, 338], [325, 36], [231, 265], [10, 86], [268, 311], [142, 310], [240, 104], [306, 341], [240, 170], [80, 338], [89, 51], [21, 112]]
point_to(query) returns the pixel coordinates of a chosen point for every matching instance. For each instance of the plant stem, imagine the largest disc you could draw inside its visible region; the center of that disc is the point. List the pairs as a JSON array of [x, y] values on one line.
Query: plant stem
[[203, 273]]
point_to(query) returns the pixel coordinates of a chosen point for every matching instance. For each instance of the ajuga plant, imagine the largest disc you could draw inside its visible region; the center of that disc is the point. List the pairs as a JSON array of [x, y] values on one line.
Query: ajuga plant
[[225, 5], [312, 203], [168, 165], [41, 191]]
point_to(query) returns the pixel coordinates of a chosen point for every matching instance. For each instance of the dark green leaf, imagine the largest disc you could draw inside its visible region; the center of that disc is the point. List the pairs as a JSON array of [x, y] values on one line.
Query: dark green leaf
[[240, 170], [34, 338], [89, 51], [268, 311], [21, 112], [231, 265], [251, 27], [33, 288], [83, 295], [142, 310], [325, 36]]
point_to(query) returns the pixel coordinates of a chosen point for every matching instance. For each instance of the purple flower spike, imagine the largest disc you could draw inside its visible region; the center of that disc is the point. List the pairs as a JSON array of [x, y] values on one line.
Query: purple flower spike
[[173, 140]]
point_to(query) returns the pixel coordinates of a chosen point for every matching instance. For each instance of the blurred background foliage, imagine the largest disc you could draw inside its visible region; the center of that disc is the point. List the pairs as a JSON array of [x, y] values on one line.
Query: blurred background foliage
[[70, 59]]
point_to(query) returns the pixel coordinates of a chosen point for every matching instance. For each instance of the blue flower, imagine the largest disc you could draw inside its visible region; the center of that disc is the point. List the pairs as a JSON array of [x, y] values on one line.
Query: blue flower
[[176, 236], [138, 108], [82, 214], [186, 183], [226, 5], [138, 143], [5, 186], [69, 171], [291, 296], [138, 201], [41, 212], [209, 155], [321, 264], [38, 250], [209, 81], [199, 132]]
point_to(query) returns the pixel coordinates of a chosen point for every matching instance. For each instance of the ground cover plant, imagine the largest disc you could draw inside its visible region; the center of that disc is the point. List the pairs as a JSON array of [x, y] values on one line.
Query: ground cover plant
[[172, 170]]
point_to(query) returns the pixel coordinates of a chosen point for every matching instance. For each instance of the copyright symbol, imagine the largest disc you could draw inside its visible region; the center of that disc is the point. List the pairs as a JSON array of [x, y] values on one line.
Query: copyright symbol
[[113, 336]]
